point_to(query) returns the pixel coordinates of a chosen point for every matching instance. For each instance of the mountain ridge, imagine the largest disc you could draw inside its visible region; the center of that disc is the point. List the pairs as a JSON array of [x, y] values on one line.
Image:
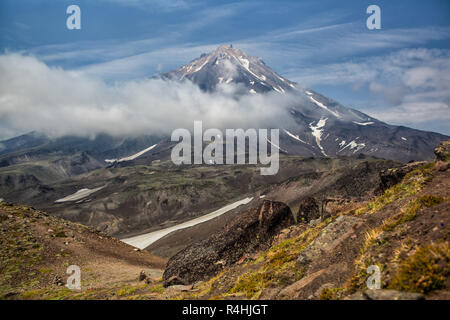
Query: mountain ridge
[[323, 127]]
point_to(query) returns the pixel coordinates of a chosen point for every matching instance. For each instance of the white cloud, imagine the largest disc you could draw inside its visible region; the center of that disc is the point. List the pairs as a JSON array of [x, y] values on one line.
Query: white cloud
[[34, 96], [162, 5], [393, 94], [407, 87], [414, 113]]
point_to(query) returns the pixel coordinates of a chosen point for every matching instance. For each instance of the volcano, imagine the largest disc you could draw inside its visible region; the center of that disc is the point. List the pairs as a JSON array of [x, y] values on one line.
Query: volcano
[[323, 127], [320, 126]]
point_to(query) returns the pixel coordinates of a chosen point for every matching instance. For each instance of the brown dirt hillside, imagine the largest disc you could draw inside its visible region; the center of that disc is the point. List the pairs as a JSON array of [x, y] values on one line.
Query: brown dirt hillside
[[36, 249]]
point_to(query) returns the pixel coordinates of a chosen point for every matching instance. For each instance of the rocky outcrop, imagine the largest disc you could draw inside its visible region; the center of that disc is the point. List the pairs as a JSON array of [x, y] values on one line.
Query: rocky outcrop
[[308, 210], [331, 237], [385, 294], [391, 177], [251, 230], [312, 210], [442, 152]]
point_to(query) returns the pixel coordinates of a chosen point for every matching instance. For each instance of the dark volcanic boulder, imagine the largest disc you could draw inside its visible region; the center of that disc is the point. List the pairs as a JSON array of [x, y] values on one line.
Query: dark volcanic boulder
[[308, 210], [252, 229], [442, 152], [391, 177]]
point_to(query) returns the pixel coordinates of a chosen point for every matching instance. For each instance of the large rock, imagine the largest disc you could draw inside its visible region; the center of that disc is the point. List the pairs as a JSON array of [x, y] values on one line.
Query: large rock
[[251, 230], [308, 210], [442, 152], [385, 294], [391, 177], [330, 238], [291, 292]]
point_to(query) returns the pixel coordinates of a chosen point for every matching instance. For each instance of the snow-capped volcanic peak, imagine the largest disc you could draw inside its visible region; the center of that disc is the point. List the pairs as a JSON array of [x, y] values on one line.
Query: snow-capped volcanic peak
[[227, 65], [320, 126]]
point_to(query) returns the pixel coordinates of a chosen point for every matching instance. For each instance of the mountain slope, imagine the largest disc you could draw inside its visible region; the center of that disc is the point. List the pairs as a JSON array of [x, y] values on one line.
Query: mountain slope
[[404, 231], [323, 127], [36, 250]]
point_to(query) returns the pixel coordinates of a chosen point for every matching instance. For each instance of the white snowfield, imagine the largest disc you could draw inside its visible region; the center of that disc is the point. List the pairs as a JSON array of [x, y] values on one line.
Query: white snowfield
[[280, 89], [294, 136], [354, 145], [317, 132], [278, 147], [246, 64], [132, 157], [363, 123], [144, 240], [80, 194], [320, 104], [201, 67]]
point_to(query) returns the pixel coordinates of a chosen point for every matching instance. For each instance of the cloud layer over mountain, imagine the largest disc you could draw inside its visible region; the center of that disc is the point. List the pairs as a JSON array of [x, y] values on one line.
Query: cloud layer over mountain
[[36, 97]]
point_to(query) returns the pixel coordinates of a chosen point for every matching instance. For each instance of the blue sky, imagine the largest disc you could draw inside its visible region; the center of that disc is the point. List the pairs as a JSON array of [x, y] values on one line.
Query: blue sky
[[399, 74]]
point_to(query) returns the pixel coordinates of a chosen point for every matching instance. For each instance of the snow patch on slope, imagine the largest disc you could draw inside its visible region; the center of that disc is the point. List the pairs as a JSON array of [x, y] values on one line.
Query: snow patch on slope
[[144, 240], [320, 104], [80, 194], [354, 145], [317, 132], [132, 157], [278, 147], [201, 67], [363, 123], [294, 136], [246, 64]]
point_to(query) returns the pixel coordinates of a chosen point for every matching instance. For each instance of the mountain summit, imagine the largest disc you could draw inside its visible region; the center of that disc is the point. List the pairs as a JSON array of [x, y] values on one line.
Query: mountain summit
[[230, 65], [322, 127]]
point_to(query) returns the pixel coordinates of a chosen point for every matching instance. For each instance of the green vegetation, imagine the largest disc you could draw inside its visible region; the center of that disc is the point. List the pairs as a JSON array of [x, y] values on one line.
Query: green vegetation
[[422, 270], [411, 184], [157, 289], [126, 291], [45, 270], [278, 267], [426, 270], [331, 293], [412, 210], [19, 252]]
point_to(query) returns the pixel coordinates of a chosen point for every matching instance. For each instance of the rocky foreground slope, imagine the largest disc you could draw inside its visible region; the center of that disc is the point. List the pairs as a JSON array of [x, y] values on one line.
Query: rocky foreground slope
[[265, 254], [404, 231]]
